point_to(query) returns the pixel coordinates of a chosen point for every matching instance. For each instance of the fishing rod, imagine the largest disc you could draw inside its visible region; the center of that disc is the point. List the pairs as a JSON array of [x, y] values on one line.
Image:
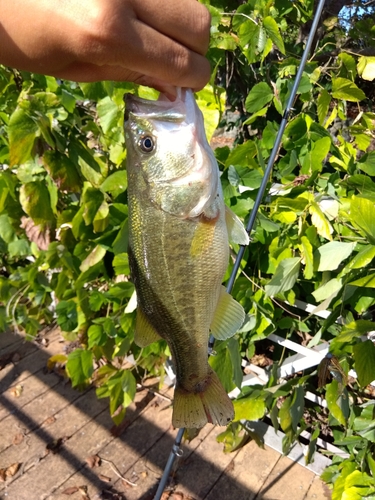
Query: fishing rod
[[176, 450]]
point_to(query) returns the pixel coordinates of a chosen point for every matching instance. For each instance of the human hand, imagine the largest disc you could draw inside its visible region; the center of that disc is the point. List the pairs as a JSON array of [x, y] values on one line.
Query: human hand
[[159, 43]]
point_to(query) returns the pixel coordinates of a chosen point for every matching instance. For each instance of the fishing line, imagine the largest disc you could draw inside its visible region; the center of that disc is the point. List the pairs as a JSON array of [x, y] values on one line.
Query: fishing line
[[176, 450]]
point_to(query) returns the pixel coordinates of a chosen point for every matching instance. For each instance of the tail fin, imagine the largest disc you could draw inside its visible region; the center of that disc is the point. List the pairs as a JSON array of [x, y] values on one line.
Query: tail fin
[[195, 409]]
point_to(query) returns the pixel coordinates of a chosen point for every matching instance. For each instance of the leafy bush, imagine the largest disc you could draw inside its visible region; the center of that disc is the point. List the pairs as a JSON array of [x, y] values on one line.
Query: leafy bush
[[63, 222]]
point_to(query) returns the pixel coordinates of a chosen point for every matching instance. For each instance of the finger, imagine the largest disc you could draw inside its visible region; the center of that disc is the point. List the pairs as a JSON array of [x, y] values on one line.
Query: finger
[[145, 51], [186, 21], [92, 73]]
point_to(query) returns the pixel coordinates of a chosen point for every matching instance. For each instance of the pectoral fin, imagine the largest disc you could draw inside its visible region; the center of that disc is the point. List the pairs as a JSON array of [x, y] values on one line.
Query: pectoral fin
[[145, 334], [236, 230], [229, 317]]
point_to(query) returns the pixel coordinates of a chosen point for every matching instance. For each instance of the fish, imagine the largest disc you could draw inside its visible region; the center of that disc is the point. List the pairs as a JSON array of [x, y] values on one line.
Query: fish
[[179, 231]]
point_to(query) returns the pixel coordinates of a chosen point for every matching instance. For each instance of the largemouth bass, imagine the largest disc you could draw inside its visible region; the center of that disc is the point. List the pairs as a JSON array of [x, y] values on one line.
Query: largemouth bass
[[179, 249]]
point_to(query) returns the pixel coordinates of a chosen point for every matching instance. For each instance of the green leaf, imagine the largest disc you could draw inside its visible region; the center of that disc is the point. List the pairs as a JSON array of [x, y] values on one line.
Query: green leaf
[[234, 437], [91, 201], [249, 408], [285, 276], [211, 106], [273, 32], [101, 219], [62, 170], [307, 257], [320, 221], [285, 416], [67, 100], [358, 478], [363, 258], [22, 131], [67, 315], [366, 68], [362, 215], [242, 154], [364, 357], [110, 115], [115, 183], [221, 362], [355, 329], [96, 336], [332, 254], [367, 163], [347, 90], [367, 281], [97, 300], [7, 232], [235, 354], [95, 256], [324, 100], [328, 290], [259, 95], [314, 159], [332, 398], [36, 202], [91, 167], [121, 264], [79, 366], [19, 248], [129, 386]]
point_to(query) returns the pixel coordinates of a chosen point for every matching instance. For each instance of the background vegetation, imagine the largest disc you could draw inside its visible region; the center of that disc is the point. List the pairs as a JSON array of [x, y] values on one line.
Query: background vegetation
[[63, 222]]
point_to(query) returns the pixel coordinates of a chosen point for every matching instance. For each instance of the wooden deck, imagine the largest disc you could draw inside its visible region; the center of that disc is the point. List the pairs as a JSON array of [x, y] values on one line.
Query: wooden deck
[[57, 443]]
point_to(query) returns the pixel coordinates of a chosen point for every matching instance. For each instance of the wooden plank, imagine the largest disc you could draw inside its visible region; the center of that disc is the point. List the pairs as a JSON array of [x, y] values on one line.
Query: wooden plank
[[9, 338], [31, 446], [147, 471], [287, 480], [27, 389], [203, 468], [245, 474], [119, 453], [33, 414], [318, 490], [55, 469], [30, 359]]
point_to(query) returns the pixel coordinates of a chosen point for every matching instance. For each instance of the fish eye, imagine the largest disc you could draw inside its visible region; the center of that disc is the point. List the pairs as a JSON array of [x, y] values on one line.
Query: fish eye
[[147, 144]]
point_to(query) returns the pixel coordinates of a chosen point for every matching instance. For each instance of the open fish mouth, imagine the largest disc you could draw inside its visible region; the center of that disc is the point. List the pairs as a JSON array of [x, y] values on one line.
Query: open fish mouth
[[162, 109]]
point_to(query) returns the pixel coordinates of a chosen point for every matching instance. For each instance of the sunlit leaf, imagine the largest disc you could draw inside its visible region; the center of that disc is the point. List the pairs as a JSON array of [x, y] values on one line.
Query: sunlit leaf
[[332, 254], [343, 88], [366, 67], [320, 221], [95, 256], [285, 276]]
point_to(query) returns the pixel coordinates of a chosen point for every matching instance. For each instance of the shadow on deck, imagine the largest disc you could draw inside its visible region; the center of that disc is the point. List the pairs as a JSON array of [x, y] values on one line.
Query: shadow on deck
[[51, 430]]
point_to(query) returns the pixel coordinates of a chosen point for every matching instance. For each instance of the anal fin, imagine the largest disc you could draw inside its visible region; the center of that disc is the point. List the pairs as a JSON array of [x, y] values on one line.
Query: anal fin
[[145, 334], [228, 318]]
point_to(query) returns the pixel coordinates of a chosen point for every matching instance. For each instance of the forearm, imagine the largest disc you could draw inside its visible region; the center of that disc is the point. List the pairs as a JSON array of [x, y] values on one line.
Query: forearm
[[146, 41]]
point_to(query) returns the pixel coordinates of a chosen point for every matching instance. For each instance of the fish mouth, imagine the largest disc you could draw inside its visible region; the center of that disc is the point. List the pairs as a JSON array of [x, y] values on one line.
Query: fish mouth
[[162, 109]]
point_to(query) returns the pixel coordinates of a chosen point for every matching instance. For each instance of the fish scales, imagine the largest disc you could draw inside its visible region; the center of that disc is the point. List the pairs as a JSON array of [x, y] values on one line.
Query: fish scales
[[178, 249]]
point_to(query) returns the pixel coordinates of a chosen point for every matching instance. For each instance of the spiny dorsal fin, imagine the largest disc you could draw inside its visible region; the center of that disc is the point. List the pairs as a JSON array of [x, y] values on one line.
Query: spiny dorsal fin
[[236, 230], [145, 333], [229, 316]]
